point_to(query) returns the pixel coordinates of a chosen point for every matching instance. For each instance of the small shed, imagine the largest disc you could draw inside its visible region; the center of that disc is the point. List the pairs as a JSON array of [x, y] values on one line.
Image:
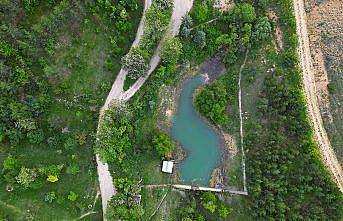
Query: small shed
[[167, 166]]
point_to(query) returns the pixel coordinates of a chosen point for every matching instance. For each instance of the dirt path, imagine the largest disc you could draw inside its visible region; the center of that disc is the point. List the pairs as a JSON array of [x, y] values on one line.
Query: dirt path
[[241, 121], [117, 89], [105, 179], [181, 7], [309, 87]]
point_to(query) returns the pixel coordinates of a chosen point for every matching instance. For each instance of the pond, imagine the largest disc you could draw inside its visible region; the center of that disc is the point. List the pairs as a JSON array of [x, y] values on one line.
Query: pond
[[200, 141]]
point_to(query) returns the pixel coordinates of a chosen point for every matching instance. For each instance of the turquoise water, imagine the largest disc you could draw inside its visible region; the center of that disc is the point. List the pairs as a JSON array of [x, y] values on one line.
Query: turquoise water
[[199, 140]]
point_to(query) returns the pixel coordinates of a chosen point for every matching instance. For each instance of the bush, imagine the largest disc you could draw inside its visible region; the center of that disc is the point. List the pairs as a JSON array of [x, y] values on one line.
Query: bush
[[136, 63], [171, 50], [162, 143], [113, 135], [35, 136], [72, 196], [26, 176], [212, 100], [50, 197], [73, 169], [10, 169], [156, 23], [262, 30]]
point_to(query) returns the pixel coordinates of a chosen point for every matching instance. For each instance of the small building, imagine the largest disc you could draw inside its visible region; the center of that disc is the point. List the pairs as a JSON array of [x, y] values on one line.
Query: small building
[[167, 166]]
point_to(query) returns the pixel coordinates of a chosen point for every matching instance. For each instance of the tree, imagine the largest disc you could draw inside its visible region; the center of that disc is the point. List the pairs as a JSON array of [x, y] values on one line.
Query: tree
[[200, 39], [187, 20], [223, 211], [248, 12], [10, 169], [187, 23], [113, 135], [136, 63], [245, 12], [212, 100], [210, 206], [26, 176], [171, 50], [163, 4], [72, 196], [35, 136], [156, 24], [162, 143], [262, 30]]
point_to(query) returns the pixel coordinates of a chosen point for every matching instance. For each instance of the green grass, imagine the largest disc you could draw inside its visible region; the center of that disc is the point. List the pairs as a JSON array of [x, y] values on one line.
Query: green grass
[[79, 77]]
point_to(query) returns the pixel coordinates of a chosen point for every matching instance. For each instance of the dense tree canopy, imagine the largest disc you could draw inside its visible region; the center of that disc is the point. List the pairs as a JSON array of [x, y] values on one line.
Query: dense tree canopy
[[163, 144], [171, 50], [212, 100]]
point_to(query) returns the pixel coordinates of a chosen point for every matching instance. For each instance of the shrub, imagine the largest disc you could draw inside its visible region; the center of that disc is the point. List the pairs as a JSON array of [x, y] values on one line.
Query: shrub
[[72, 196], [200, 39], [212, 100], [26, 176], [73, 169], [262, 30], [10, 169], [171, 50], [50, 197], [35, 136], [52, 178], [162, 143], [136, 63]]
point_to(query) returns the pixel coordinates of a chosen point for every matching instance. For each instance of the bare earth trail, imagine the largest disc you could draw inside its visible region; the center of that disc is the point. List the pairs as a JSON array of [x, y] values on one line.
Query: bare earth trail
[[105, 179], [181, 7], [309, 87]]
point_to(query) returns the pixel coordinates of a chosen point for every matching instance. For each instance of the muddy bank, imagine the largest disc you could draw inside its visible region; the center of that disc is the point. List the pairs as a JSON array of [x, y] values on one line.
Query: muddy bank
[[169, 105], [213, 67]]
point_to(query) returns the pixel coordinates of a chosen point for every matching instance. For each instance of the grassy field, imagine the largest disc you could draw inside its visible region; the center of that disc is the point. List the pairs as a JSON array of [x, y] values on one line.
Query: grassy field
[[80, 71]]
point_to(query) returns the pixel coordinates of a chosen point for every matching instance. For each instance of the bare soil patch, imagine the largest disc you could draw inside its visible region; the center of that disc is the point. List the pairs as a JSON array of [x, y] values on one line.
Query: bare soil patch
[[325, 25], [310, 91]]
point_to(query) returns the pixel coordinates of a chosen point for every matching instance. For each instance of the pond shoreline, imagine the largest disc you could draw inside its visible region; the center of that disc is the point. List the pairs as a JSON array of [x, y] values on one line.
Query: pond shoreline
[[166, 125]]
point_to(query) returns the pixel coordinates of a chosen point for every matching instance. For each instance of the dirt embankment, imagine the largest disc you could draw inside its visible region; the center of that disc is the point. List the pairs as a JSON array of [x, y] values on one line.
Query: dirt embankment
[[310, 91]]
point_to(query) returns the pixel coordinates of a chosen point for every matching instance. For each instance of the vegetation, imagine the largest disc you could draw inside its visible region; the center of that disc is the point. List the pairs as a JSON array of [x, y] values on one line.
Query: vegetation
[[282, 160], [156, 20], [212, 100], [57, 60], [136, 62], [113, 135], [163, 144], [204, 206], [125, 204], [171, 50]]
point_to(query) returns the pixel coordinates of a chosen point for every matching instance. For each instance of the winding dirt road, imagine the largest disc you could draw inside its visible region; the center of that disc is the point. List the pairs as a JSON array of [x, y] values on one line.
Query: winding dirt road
[[104, 176], [309, 88], [181, 7]]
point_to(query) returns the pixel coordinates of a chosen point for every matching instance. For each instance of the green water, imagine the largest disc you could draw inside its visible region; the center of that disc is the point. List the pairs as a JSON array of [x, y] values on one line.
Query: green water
[[199, 140]]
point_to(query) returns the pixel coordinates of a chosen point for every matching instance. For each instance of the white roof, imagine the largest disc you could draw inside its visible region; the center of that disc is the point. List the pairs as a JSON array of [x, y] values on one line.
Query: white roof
[[167, 166]]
